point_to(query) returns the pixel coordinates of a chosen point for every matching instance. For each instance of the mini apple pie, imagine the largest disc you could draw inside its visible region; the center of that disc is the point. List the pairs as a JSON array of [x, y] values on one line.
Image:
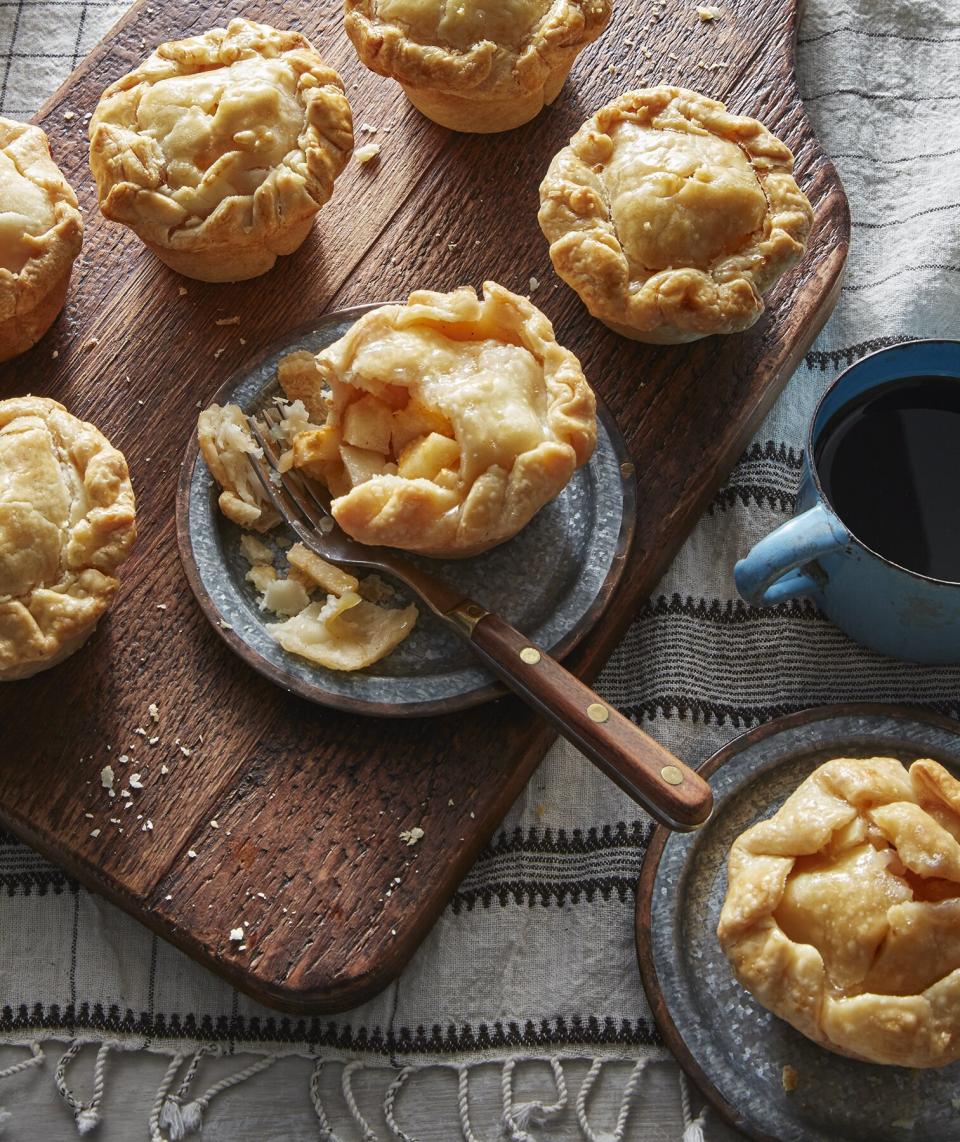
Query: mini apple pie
[[450, 421], [220, 149], [842, 913], [671, 217], [40, 235], [475, 65], [66, 524]]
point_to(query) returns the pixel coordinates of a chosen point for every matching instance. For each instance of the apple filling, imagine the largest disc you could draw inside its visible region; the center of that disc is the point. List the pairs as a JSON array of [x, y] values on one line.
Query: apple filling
[[326, 615], [448, 422]]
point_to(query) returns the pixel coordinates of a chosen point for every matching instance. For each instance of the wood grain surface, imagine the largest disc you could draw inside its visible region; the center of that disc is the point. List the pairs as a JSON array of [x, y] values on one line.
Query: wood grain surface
[[309, 803]]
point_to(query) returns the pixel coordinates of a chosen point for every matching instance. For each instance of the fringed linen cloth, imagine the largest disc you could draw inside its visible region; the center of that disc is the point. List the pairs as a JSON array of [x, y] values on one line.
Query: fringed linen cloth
[[533, 961]]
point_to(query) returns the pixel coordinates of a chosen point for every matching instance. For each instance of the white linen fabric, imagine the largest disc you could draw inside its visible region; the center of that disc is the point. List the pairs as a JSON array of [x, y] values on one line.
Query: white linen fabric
[[534, 957]]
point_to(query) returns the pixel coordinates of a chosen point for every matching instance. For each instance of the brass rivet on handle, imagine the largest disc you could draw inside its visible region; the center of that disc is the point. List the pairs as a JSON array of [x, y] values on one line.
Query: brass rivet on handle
[[530, 655], [627, 469], [671, 775], [597, 712]]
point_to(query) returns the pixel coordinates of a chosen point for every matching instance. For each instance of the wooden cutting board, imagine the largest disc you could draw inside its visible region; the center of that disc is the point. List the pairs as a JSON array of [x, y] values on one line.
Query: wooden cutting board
[[310, 802]]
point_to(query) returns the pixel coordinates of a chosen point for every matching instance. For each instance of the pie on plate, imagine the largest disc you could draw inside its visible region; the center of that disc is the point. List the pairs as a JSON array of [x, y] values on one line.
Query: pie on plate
[[475, 65], [40, 235], [671, 218], [842, 913], [446, 423], [220, 149], [67, 522]]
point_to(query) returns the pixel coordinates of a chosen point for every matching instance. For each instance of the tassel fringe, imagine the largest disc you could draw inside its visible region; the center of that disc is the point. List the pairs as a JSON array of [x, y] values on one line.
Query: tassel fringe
[[176, 1115]]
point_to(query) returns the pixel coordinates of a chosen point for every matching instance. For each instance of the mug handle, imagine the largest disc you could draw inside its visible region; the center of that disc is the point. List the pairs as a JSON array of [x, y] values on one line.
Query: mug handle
[[770, 572]]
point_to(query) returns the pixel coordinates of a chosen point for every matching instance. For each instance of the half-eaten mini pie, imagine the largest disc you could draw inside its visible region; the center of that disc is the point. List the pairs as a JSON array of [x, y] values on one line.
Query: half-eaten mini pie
[[671, 217], [220, 149], [40, 235], [450, 421], [67, 522], [842, 913], [475, 65]]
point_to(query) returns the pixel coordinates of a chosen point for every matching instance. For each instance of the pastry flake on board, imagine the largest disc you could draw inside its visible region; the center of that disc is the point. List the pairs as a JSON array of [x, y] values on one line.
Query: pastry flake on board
[[671, 218], [220, 149], [842, 913], [67, 522], [41, 231], [475, 65], [452, 420]]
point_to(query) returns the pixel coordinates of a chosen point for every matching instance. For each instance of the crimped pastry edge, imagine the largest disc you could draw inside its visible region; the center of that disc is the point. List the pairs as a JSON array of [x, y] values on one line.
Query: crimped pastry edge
[[45, 632], [686, 303], [31, 299], [446, 83], [244, 234]]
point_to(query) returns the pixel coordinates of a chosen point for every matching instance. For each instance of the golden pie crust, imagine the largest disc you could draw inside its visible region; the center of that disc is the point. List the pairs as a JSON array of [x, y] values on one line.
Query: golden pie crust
[[842, 913], [40, 235], [220, 149], [475, 65], [671, 217], [67, 522], [450, 421]]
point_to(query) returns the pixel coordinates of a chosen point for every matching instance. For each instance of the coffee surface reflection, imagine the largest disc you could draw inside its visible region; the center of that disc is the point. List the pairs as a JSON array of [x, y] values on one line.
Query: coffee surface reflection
[[889, 465]]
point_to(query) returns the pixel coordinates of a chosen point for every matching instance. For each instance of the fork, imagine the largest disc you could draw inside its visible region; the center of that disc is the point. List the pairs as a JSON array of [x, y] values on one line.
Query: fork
[[671, 792]]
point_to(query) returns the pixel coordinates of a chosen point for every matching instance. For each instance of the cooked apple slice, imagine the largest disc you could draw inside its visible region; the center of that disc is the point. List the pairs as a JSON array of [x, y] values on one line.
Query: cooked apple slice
[[361, 464], [426, 456], [314, 451], [367, 423], [417, 419], [344, 633]]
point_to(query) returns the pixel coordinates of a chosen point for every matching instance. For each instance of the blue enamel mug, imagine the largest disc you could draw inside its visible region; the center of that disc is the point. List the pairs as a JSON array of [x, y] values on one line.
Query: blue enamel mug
[[878, 603]]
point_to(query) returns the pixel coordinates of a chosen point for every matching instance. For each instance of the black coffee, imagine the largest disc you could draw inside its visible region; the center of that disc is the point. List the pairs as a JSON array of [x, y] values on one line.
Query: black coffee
[[890, 467]]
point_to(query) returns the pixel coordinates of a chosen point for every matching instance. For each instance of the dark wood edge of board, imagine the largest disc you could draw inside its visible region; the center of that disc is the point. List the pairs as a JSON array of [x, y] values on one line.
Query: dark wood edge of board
[[345, 992], [651, 862]]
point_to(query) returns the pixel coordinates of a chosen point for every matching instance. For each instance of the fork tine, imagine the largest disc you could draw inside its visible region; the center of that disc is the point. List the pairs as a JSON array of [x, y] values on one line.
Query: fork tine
[[292, 485], [281, 500], [312, 488], [318, 493]]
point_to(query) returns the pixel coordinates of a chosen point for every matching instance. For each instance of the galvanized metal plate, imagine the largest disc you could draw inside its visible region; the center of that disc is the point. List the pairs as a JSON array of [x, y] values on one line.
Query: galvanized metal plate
[[732, 1047], [552, 581]]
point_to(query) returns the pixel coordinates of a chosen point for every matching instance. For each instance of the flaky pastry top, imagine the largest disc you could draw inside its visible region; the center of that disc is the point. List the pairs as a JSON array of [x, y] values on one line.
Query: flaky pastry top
[[40, 226], [485, 418], [67, 521], [477, 47], [842, 913], [671, 217], [240, 130]]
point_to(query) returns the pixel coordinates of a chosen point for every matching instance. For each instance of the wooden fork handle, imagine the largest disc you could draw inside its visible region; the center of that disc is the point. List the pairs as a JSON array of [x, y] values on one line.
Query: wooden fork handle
[[662, 784]]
